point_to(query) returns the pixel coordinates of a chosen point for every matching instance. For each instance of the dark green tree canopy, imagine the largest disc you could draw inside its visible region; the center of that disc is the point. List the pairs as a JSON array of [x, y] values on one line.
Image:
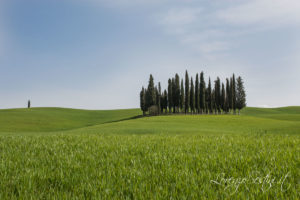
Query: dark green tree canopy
[[193, 96]]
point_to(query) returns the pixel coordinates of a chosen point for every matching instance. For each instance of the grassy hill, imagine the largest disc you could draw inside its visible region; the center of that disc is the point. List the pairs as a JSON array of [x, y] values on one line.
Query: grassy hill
[[54, 153], [58, 119], [291, 113]]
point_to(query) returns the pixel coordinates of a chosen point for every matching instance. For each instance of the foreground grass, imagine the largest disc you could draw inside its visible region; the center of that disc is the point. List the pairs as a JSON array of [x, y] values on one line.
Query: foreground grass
[[252, 156], [149, 166]]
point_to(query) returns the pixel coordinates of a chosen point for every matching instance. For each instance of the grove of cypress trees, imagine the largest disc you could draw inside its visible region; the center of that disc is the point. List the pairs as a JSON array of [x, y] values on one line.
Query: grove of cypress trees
[[195, 97], [240, 94], [192, 96], [187, 92], [181, 96], [202, 93], [170, 96], [197, 94]]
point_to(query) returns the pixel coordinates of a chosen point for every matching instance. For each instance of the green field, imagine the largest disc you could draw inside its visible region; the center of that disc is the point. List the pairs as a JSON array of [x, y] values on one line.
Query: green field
[[55, 153]]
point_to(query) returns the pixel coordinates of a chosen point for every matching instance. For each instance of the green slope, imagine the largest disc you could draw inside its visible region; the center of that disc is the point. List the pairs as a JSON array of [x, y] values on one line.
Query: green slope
[[62, 119], [168, 125], [291, 113], [57, 119]]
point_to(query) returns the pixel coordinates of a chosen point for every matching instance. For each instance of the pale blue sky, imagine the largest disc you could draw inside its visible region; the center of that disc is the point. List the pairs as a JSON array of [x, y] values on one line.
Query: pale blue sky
[[96, 54]]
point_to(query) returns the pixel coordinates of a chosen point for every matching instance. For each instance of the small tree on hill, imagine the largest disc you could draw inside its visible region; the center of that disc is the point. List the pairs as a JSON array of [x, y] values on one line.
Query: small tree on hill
[[28, 104]]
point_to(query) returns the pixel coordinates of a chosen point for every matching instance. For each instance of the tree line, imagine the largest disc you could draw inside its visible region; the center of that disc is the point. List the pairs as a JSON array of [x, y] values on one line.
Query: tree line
[[187, 96]]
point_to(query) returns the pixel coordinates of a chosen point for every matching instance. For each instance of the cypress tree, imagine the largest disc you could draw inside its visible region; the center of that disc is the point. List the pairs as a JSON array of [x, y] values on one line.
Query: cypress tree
[[187, 92], [177, 92], [28, 104], [228, 96], [143, 101], [231, 94], [197, 94], [192, 96], [217, 95], [174, 94], [181, 96], [213, 102], [209, 97], [202, 93], [166, 101], [161, 99], [150, 95], [157, 99], [234, 94], [223, 98], [170, 98], [240, 94]]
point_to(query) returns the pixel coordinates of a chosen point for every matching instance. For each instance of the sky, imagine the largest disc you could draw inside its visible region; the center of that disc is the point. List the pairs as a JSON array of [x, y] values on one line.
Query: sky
[[97, 54]]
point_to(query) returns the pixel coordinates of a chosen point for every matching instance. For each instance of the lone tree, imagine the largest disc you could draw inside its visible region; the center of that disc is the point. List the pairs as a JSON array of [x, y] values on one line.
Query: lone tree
[[240, 94], [143, 101], [187, 92], [29, 104]]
